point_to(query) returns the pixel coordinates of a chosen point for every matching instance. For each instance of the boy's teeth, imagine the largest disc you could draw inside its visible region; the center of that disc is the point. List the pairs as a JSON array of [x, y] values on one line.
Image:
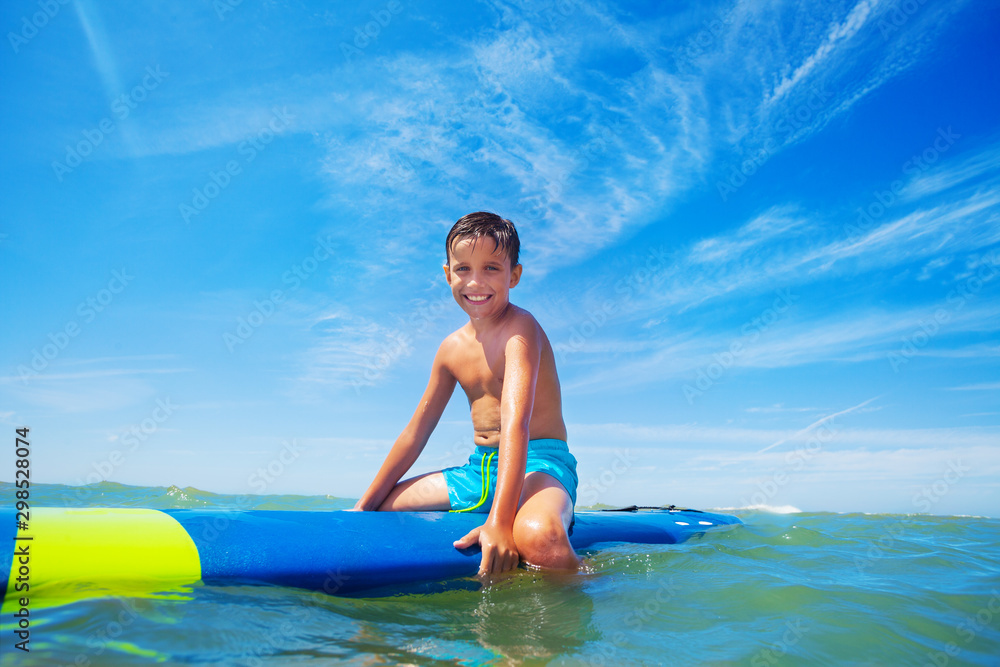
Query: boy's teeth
[[478, 298]]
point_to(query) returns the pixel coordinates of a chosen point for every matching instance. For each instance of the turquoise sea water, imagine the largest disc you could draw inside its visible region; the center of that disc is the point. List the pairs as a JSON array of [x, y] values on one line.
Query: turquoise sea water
[[784, 589]]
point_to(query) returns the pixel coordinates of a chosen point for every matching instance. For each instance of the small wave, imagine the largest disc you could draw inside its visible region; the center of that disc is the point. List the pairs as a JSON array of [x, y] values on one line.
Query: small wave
[[771, 509]]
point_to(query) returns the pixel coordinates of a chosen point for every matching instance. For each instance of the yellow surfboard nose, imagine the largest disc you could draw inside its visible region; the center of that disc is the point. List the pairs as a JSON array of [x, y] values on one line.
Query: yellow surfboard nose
[[117, 548]]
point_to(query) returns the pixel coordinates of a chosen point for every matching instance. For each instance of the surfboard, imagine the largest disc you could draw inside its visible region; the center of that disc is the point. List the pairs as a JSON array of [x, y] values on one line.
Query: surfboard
[[337, 552]]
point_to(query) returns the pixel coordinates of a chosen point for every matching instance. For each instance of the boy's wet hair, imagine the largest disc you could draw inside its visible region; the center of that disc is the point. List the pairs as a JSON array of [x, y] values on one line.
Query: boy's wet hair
[[486, 225]]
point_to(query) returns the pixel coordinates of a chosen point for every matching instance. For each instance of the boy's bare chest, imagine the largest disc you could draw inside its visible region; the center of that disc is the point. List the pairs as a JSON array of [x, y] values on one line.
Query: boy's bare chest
[[483, 387], [479, 376]]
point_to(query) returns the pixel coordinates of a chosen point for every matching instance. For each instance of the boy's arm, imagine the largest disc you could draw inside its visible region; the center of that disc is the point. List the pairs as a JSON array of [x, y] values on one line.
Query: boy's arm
[[414, 437], [522, 358]]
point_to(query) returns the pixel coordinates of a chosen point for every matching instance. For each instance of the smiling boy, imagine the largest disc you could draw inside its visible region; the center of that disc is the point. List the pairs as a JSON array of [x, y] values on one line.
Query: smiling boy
[[521, 472]]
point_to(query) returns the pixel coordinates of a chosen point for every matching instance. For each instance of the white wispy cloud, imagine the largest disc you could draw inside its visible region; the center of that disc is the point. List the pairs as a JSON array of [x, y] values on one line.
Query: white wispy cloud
[[472, 121], [779, 408], [629, 146], [787, 248], [823, 421], [859, 336], [744, 443], [100, 46], [102, 383], [353, 351], [776, 257], [950, 174], [472, 124], [981, 386], [85, 395], [838, 35], [37, 377], [830, 478], [839, 56]]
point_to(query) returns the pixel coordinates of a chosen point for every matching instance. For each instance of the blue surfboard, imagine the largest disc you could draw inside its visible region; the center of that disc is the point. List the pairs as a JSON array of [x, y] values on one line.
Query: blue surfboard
[[337, 552]]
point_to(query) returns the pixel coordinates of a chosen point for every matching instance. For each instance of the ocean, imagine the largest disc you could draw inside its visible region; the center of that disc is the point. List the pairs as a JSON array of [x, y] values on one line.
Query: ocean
[[790, 588]]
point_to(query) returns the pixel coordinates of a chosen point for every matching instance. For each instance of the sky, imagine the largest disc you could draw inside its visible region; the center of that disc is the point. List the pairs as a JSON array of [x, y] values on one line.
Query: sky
[[762, 237]]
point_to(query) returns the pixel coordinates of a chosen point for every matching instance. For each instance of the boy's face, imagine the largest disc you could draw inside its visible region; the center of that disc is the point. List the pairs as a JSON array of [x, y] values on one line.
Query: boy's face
[[480, 278]]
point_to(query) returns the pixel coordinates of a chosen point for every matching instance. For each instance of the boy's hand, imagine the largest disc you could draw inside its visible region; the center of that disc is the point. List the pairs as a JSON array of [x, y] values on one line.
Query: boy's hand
[[499, 551], [363, 506]]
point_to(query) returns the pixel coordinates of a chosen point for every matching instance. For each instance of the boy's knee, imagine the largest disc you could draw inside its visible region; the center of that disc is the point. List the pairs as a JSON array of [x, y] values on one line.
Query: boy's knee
[[543, 542], [543, 533]]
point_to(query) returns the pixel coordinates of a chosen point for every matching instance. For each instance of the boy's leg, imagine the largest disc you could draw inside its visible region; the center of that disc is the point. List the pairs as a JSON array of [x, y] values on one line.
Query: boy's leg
[[425, 492], [541, 527]]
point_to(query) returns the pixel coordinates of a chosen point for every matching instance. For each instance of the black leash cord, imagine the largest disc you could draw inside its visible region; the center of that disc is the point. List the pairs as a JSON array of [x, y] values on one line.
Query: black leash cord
[[636, 508]]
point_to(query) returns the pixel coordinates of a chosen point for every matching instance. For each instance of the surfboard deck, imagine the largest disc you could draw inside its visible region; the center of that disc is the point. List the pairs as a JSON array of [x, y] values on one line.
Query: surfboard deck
[[337, 552]]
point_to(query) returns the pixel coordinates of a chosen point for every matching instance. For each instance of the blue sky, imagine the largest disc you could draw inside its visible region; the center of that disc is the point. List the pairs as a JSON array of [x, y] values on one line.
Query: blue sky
[[763, 238]]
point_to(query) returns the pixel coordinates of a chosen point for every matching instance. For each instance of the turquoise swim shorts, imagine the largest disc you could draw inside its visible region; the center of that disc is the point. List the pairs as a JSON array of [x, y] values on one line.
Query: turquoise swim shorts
[[471, 487]]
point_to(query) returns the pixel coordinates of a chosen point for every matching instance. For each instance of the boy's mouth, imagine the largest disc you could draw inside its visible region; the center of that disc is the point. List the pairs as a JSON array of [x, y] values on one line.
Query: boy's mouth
[[478, 298]]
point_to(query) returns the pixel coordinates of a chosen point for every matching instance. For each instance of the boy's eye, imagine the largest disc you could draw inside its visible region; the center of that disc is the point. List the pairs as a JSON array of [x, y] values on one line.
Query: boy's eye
[[490, 267]]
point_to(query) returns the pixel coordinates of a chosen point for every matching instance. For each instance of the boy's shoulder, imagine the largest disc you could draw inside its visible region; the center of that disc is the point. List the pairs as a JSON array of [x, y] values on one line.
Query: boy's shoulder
[[517, 322], [521, 321]]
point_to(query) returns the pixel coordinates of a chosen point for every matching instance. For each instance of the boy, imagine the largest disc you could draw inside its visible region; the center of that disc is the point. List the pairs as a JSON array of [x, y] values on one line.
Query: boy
[[521, 472]]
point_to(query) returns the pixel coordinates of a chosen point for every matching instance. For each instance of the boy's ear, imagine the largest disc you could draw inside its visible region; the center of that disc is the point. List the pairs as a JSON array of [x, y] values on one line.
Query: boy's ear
[[515, 275], [447, 273]]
